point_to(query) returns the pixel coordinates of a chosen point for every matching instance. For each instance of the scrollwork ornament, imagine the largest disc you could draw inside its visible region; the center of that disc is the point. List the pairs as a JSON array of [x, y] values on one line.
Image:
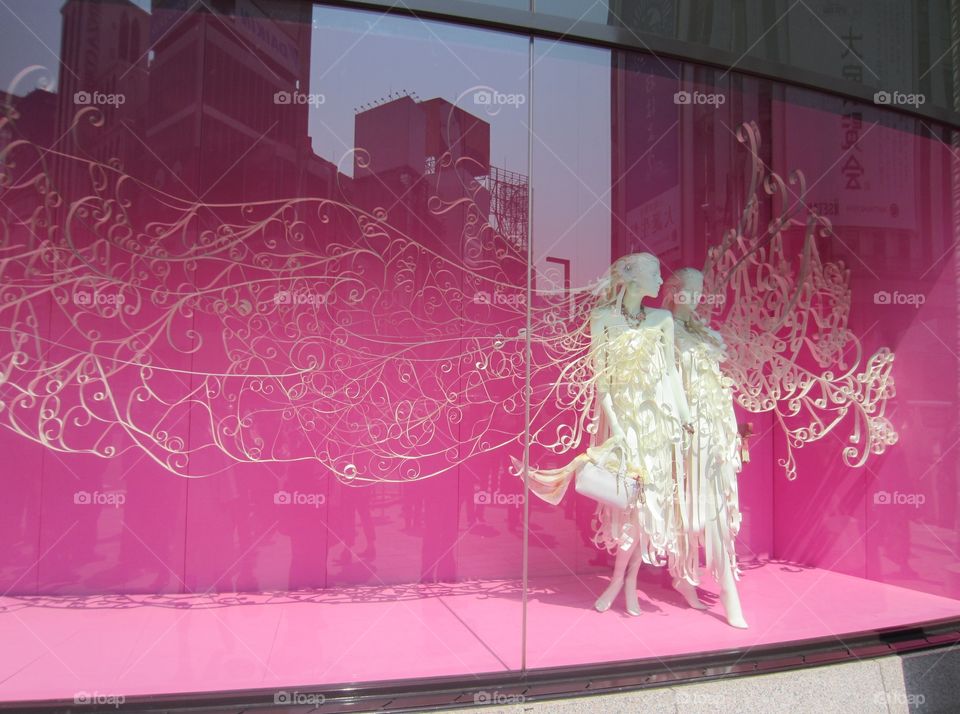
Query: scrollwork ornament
[[785, 324]]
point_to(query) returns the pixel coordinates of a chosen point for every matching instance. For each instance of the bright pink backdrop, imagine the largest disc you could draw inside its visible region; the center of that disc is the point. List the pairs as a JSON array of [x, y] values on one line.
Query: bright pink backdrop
[[229, 532]]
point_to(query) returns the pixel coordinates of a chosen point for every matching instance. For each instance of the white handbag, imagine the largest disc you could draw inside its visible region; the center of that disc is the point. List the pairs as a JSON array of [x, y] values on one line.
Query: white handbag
[[608, 488]]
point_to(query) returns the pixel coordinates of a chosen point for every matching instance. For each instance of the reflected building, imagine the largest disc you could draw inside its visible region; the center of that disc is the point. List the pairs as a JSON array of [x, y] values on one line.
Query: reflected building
[[413, 152], [214, 106], [103, 68], [35, 114], [228, 108], [205, 101], [644, 160], [31, 118]]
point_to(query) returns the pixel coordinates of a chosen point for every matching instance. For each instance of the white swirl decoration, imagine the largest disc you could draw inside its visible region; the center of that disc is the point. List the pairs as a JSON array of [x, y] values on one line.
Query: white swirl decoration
[[307, 329], [385, 345], [784, 318]]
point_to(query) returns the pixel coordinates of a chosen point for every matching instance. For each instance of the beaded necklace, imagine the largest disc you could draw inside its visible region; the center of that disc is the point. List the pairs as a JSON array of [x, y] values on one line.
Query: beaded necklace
[[633, 321]]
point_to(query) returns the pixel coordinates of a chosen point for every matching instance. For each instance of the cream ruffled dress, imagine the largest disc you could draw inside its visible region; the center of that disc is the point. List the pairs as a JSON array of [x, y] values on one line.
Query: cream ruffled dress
[[631, 366], [713, 461]]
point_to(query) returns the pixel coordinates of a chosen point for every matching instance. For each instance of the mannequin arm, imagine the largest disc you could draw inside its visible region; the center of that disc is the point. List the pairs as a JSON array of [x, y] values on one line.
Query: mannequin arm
[[607, 403], [673, 375], [720, 348], [598, 347]]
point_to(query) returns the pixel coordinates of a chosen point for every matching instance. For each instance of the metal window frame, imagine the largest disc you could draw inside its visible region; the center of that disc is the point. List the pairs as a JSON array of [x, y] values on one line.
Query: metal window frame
[[542, 25], [438, 693]]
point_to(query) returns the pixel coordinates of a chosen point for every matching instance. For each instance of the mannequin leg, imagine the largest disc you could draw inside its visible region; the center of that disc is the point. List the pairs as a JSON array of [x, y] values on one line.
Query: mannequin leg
[[729, 596], [616, 582], [717, 539], [681, 584], [630, 585], [689, 593]]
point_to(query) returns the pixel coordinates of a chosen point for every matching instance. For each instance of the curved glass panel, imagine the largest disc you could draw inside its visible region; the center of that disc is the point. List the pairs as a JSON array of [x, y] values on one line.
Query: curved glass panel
[[825, 237], [263, 273]]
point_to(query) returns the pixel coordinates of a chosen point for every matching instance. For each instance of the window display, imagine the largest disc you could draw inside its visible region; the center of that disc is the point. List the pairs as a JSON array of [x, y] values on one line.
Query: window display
[[663, 468], [311, 316]]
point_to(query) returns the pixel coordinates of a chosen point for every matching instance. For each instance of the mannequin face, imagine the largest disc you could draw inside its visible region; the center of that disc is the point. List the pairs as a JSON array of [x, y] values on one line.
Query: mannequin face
[[690, 293], [641, 277]]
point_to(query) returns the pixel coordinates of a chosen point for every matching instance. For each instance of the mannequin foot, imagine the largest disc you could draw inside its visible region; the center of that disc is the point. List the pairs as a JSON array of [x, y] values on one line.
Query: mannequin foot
[[689, 593], [738, 622], [630, 596], [607, 597], [731, 605]]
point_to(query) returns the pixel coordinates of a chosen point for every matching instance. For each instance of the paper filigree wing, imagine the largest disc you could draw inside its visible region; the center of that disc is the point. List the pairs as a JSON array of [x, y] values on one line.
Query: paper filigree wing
[[784, 312]]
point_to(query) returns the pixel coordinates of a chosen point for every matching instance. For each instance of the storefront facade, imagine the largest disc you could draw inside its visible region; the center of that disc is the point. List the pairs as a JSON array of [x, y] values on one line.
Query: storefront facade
[[296, 301]]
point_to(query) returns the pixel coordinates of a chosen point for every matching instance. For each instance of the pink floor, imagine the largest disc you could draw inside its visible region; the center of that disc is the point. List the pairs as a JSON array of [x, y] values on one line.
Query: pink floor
[[55, 647]]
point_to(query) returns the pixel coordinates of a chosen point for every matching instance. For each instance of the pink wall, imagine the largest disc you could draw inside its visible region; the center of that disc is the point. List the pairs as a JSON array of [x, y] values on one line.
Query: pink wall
[[895, 519]]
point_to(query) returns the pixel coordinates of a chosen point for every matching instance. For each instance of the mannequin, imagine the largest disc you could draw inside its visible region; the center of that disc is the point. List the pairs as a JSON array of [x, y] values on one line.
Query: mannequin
[[644, 417], [713, 461], [646, 412]]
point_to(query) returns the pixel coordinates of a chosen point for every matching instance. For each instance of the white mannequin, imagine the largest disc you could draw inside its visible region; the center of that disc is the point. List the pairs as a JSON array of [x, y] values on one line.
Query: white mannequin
[[634, 278], [684, 295]]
